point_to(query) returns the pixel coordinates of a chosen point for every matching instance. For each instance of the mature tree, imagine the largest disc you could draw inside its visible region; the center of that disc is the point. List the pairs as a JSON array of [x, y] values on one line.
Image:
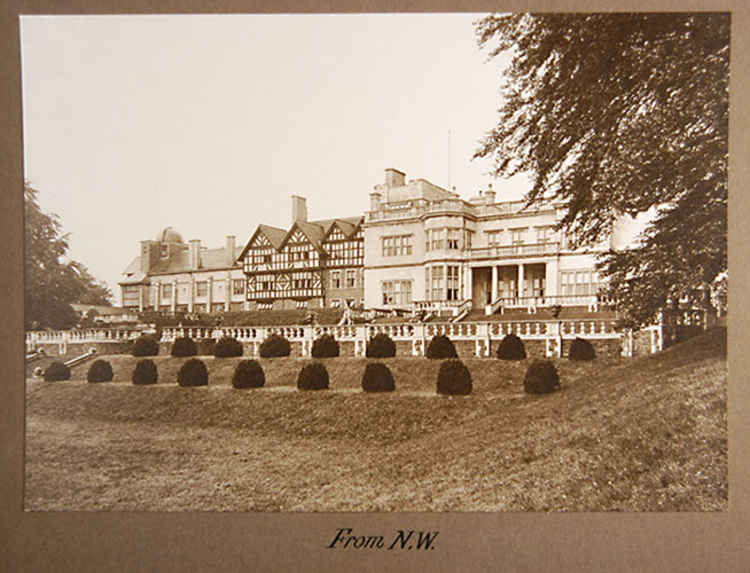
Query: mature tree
[[95, 292], [619, 114], [51, 283]]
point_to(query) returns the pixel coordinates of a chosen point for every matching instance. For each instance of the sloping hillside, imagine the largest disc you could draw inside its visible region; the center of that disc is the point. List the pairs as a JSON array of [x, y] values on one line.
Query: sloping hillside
[[643, 434]]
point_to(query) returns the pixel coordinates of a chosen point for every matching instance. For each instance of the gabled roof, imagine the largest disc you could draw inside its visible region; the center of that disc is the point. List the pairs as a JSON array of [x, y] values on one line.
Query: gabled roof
[[132, 273], [348, 226], [274, 235], [313, 231]]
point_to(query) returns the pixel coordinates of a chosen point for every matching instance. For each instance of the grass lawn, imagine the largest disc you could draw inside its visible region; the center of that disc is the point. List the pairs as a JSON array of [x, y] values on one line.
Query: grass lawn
[[642, 434]]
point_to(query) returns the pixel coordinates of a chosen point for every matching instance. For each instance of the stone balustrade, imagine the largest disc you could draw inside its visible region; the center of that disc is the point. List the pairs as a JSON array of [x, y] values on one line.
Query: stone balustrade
[[481, 334]]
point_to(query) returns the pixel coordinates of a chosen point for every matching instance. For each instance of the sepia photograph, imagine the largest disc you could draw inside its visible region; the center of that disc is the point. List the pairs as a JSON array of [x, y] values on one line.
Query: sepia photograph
[[434, 262]]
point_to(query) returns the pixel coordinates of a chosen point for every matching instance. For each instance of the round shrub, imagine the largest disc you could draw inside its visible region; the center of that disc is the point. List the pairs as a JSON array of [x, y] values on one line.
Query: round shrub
[[100, 371], [145, 372], [581, 349], [184, 346], [381, 346], [145, 345], [454, 378], [441, 347], [377, 378], [325, 346], [206, 346], [511, 348], [313, 377], [275, 346], [57, 371], [228, 347], [248, 374], [541, 378], [193, 373]]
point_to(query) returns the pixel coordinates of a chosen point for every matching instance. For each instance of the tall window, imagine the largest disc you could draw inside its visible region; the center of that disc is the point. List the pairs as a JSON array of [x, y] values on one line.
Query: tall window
[[579, 283], [453, 282], [454, 238], [468, 238], [201, 288], [438, 284], [335, 279], [238, 286], [351, 278], [166, 292]]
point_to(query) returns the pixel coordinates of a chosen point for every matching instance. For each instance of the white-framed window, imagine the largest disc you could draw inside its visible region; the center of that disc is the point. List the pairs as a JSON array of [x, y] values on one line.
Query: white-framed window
[[517, 236], [397, 245], [396, 292], [301, 304], [579, 282], [437, 279], [454, 238], [264, 306], [494, 237], [166, 292], [201, 288], [335, 279], [335, 303], [544, 234], [453, 282], [238, 286], [351, 278]]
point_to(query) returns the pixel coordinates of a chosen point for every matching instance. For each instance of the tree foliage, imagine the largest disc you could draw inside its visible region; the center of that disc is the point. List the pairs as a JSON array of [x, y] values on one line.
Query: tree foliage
[[618, 114], [52, 283]]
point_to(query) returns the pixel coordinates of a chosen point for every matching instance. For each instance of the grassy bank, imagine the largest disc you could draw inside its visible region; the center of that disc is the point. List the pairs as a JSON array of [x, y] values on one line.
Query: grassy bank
[[646, 434]]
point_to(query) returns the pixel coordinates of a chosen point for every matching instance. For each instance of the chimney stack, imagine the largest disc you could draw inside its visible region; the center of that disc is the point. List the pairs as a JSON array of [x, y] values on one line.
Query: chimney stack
[[394, 178], [149, 254], [375, 199], [231, 240], [195, 254], [299, 209]]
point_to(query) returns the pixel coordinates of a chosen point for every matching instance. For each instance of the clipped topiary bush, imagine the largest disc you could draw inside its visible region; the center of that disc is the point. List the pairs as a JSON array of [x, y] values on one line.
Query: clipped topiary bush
[[193, 373], [541, 378], [57, 371], [581, 349], [440, 347], [313, 377], [511, 348], [454, 378], [377, 378], [206, 346], [145, 345], [248, 374], [100, 371], [325, 346], [145, 372], [380, 346], [184, 346], [275, 346], [228, 347]]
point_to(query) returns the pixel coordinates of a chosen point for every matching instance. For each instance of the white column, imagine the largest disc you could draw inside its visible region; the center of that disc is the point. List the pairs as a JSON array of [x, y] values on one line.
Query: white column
[[445, 281], [520, 280], [174, 295], [468, 283], [210, 301], [494, 284], [157, 296], [191, 298], [140, 297], [228, 291]]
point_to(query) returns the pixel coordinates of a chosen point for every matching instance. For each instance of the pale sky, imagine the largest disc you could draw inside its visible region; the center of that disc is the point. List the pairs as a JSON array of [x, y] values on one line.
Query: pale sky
[[210, 123]]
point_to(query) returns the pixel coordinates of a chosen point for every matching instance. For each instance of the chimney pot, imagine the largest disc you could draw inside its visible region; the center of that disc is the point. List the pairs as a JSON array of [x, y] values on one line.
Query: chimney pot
[[231, 242], [394, 178], [195, 254]]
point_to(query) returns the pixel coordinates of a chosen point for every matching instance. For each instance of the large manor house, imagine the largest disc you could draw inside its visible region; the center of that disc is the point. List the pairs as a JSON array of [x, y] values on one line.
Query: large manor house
[[419, 248]]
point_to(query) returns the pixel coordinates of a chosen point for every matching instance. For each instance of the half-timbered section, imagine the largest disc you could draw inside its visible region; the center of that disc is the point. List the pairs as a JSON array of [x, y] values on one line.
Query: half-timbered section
[[292, 269]]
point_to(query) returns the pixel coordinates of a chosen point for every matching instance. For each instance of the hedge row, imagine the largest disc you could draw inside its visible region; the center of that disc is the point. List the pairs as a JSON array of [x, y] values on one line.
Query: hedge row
[[453, 377]]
